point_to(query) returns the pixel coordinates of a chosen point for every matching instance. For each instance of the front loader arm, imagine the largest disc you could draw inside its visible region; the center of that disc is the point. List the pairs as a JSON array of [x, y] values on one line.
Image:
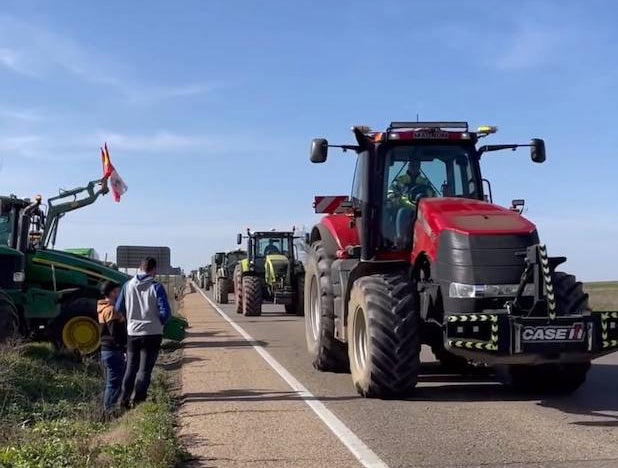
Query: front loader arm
[[58, 206]]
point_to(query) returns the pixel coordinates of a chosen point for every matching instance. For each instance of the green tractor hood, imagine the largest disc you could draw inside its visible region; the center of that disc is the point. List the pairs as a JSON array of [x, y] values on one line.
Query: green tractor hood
[[55, 269]]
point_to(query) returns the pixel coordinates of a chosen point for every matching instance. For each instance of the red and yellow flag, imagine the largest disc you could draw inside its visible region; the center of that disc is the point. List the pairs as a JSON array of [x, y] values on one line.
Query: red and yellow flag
[[109, 172]]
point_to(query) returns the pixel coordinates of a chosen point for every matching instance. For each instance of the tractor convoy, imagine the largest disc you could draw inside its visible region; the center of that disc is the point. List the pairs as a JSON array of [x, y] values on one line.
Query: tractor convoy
[[420, 255]]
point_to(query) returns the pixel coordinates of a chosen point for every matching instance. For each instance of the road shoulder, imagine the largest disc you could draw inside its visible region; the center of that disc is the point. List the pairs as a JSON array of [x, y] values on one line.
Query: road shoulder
[[236, 411]]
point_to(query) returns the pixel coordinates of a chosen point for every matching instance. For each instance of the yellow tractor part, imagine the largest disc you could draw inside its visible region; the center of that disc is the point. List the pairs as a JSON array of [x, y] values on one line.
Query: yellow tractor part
[[271, 261], [81, 333]]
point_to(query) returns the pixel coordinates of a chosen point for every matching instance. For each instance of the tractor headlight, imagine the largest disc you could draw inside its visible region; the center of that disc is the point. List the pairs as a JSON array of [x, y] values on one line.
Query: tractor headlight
[[463, 291], [19, 277]]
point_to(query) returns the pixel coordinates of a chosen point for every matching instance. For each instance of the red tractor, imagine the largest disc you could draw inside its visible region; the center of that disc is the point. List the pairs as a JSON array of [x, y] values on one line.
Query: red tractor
[[419, 255]]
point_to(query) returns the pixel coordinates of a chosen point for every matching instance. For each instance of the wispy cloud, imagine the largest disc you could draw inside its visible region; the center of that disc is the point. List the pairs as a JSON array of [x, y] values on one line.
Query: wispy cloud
[[9, 59], [530, 46], [37, 52], [160, 141], [25, 114], [63, 147]]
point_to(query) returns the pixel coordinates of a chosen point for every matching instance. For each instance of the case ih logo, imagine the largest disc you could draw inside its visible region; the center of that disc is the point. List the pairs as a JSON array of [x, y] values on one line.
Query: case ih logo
[[573, 332]]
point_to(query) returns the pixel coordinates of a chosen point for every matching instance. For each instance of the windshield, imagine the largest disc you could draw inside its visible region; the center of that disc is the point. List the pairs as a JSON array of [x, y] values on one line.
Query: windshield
[[235, 257], [415, 172], [5, 229], [273, 245]]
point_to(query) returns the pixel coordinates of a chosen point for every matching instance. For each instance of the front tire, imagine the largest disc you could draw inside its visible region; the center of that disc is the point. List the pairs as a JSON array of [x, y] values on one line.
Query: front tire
[[560, 378], [251, 296], [384, 342], [238, 289], [222, 291], [327, 353]]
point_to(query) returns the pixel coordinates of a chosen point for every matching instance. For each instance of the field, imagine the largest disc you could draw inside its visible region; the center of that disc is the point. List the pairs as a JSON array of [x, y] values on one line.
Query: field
[[603, 295]]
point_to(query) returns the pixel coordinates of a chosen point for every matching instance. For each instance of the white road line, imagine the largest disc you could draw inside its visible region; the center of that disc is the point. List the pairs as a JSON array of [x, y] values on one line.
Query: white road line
[[363, 454]]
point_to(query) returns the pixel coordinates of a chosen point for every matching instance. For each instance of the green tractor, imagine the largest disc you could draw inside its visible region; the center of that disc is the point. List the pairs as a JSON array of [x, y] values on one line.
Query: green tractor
[[203, 277], [222, 268], [271, 272], [87, 252], [49, 294]]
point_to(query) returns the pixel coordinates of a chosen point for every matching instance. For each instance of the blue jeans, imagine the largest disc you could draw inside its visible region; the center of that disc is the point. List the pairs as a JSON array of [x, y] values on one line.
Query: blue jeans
[[113, 361]]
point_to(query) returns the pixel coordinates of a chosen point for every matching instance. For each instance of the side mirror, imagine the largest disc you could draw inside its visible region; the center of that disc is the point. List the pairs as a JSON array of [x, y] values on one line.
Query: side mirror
[[307, 238], [219, 258], [319, 150], [239, 238], [518, 206], [537, 150]]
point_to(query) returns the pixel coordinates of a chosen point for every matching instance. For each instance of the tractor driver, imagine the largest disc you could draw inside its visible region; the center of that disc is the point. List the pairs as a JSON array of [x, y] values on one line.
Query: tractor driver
[[403, 194], [411, 185], [271, 248]]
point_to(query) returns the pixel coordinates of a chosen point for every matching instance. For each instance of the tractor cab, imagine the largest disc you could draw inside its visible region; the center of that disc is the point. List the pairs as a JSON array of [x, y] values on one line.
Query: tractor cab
[[271, 272], [21, 222], [398, 168], [279, 246]]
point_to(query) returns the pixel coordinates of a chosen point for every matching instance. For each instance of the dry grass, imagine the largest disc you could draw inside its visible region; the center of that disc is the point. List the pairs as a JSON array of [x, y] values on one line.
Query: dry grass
[[603, 295]]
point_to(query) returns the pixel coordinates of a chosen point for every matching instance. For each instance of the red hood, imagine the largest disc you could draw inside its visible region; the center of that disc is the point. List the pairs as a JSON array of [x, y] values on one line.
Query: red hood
[[471, 217]]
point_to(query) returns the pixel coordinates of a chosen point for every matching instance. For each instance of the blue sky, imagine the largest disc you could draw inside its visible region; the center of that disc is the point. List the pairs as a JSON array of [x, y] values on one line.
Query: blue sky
[[205, 105]]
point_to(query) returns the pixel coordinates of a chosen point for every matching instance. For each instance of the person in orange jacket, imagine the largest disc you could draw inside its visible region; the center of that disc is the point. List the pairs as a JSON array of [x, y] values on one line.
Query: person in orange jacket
[[113, 328]]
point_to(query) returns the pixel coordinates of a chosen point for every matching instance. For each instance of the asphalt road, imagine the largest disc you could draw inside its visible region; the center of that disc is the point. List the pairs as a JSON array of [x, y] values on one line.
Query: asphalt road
[[453, 420]]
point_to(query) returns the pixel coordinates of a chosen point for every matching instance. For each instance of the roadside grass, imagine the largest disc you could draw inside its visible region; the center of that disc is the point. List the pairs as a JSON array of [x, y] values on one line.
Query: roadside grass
[[603, 295], [51, 414]]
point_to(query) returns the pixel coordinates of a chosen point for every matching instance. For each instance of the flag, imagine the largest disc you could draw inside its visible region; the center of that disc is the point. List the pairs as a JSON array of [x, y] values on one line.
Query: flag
[[109, 172]]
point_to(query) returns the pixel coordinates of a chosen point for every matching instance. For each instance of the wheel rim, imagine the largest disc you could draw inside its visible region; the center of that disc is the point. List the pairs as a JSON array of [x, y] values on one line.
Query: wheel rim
[[81, 333], [315, 318], [360, 339]]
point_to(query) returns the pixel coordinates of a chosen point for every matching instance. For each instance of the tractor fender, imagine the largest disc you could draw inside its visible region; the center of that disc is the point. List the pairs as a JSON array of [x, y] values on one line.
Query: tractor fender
[[336, 233]]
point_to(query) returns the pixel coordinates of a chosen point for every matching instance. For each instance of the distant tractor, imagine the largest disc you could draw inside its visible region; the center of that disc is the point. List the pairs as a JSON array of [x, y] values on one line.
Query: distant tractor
[[87, 252], [223, 269], [203, 277], [419, 254], [49, 294], [270, 273]]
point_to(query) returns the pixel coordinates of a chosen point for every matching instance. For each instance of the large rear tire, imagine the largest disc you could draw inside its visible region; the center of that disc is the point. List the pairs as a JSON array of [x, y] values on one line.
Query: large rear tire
[[327, 353], [560, 377], [251, 296], [384, 342], [238, 289]]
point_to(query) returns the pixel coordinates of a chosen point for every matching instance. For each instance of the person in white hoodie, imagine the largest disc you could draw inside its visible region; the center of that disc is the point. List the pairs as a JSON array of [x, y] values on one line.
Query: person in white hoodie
[[144, 303]]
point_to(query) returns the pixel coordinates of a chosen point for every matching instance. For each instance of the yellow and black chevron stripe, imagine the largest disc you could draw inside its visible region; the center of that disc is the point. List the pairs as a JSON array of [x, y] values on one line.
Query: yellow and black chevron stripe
[[473, 318], [605, 316], [549, 285], [491, 345], [474, 344]]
